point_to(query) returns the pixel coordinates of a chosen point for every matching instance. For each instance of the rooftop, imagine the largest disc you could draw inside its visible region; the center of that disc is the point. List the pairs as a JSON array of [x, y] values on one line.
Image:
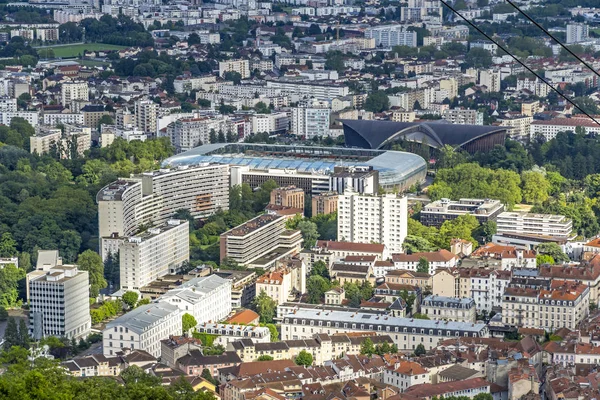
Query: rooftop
[[140, 319], [253, 225]]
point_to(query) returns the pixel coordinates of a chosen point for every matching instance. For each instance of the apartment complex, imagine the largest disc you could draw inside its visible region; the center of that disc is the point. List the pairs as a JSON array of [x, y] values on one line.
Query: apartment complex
[[524, 223], [70, 91], [373, 219], [320, 91], [436, 259], [285, 282], [260, 242], [153, 198], [564, 304], [242, 67], [142, 328], [59, 304], [577, 33], [146, 114], [463, 116], [156, 252], [324, 203], [391, 35], [311, 120], [206, 298], [228, 333], [289, 196], [435, 213], [449, 308], [361, 179], [44, 140], [187, 133], [550, 128], [406, 333]]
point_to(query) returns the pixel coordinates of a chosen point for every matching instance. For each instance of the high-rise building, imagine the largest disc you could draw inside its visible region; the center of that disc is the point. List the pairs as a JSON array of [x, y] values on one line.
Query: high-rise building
[[154, 253], [463, 116], [577, 33], [391, 35], [373, 219], [311, 120], [74, 91], [59, 304], [290, 196], [242, 67], [146, 114], [325, 203], [361, 179]]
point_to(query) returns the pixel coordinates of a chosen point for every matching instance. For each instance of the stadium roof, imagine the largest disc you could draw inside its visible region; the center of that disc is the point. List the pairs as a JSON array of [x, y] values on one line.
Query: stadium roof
[[369, 134], [393, 166]]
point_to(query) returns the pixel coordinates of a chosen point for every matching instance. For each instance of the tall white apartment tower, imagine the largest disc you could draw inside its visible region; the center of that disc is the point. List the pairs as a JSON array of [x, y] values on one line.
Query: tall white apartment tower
[[146, 114], [59, 302], [154, 253], [577, 33], [373, 219], [74, 91]]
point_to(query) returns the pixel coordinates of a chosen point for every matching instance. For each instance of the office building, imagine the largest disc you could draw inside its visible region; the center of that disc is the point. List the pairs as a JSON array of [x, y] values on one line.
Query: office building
[[156, 252], [285, 282], [435, 213], [260, 242], [142, 328], [206, 298], [524, 223], [74, 91], [154, 197], [242, 67], [324, 203], [406, 333], [577, 33], [311, 182], [59, 305], [289, 196], [391, 35], [360, 179], [373, 219], [311, 120], [449, 308], [146, 114]]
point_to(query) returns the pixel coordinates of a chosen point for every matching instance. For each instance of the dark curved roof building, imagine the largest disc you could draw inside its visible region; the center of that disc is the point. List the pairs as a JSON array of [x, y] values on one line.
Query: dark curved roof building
[[379, 134]]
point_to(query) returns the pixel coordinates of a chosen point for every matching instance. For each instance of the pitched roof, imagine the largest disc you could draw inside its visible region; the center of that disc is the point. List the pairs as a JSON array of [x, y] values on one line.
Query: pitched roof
[[429, 390], [243, 317], [410, 368]]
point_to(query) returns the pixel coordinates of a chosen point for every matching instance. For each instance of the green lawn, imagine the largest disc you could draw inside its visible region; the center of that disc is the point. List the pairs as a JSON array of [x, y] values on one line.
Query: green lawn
[[77, 49]]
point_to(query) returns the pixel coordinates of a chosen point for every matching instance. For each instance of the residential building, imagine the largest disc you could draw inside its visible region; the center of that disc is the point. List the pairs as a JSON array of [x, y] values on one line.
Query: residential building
[[406, 333], [227, 333], [467, 388], [360, 179], [405, 374], [524, 223], [449, 308], [289, 196], [242, 67], [187, 133], [47, 34], [32, 117], [146, 114], [463, 116], [94, 365], [284, 283], [311, 120], [436, 259], [587, 273], [485, 286], [335, 296], [58, 299], [74, 91], [142, 328], [505, 257], [324, 203], [520, 125], [54, 119], [490, 79], [536, 86], [300, 90], [276, 122], [550, 128], [206, 298], [373, 219], [435, 213], [195, 362], [44, 140], [422, 280], [92, 113], [175, 347], [243, 289], [153, 253], [577, 33], [341, 250], [261, 240]]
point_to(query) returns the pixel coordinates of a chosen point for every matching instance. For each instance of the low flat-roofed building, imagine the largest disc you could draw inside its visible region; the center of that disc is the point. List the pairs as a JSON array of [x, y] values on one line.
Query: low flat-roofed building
[[227, 333], [435, 213], [556, 226], [341, 250]]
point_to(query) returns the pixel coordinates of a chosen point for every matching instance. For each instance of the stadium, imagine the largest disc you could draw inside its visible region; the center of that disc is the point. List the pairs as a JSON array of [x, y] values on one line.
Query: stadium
[[289, 164], [366, 134]]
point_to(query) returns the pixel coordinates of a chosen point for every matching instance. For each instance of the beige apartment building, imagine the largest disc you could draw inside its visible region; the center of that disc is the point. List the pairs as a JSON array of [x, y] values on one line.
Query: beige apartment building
[[324, 203], [289, 196], [284, 283], [74, 91]]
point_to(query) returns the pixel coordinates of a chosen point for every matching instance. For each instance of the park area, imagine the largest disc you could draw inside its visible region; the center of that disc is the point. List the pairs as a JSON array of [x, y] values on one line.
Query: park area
[[74, 50]]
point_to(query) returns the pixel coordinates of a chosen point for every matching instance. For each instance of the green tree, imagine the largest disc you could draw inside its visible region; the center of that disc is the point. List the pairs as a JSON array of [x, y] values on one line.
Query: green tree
[[10, 277], [3, 314], [542, 259], [535, 187], [130, 298], [105, 120], [420, 316], [409, 299], [8, 246], [265, 306], [352, 294], [420, 350], [367, 347], [92, 262], [316, 288], [24, 339], [11, 334], [320, 268], [478, 57], [304, 358], [553, 250], [188, 322], [310, 233], [377, 102], [233, 76], [423, 265], [264, 357], [416, 244]]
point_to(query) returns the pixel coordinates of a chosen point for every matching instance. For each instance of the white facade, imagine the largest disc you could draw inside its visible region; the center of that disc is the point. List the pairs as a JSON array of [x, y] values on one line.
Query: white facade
[[233, 333], [301, 90], [549, 129], [373, 219], [59, 118], [310, 122], [242, 67], [577, 33], [30, 116], [405, 374], [74, 91], [59, 302], [154, 253], [146, 114], [206, 298], [142, 329], [391, 35], [557, 226]]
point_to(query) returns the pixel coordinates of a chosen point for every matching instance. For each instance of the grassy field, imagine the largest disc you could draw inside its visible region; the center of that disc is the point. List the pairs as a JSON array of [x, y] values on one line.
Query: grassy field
[[76, 49]]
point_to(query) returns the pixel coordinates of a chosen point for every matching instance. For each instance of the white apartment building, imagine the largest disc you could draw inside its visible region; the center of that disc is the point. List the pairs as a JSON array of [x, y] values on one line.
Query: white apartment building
[[534, 85], [183, 85], [283, 283], [146, 114], [405, 374], [154, 197], [242, 67], [154, 253], [519, 126], [577, 33], [270, 123], [8, 104], [70, 91], [206, 298], [549, 129], [311, 121], [301, 90], [43, 140], [30, 116], [491, 79], [391, 35], [59, 304], [524, 223], [228, 333], [54, 119], [463, 116], [142, 329], [436, 259], [449, 308], [247, 91], [373, 219], [187, 133]]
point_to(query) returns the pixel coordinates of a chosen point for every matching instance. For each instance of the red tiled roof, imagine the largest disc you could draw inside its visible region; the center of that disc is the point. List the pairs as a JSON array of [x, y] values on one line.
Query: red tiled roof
[[429, 390]]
